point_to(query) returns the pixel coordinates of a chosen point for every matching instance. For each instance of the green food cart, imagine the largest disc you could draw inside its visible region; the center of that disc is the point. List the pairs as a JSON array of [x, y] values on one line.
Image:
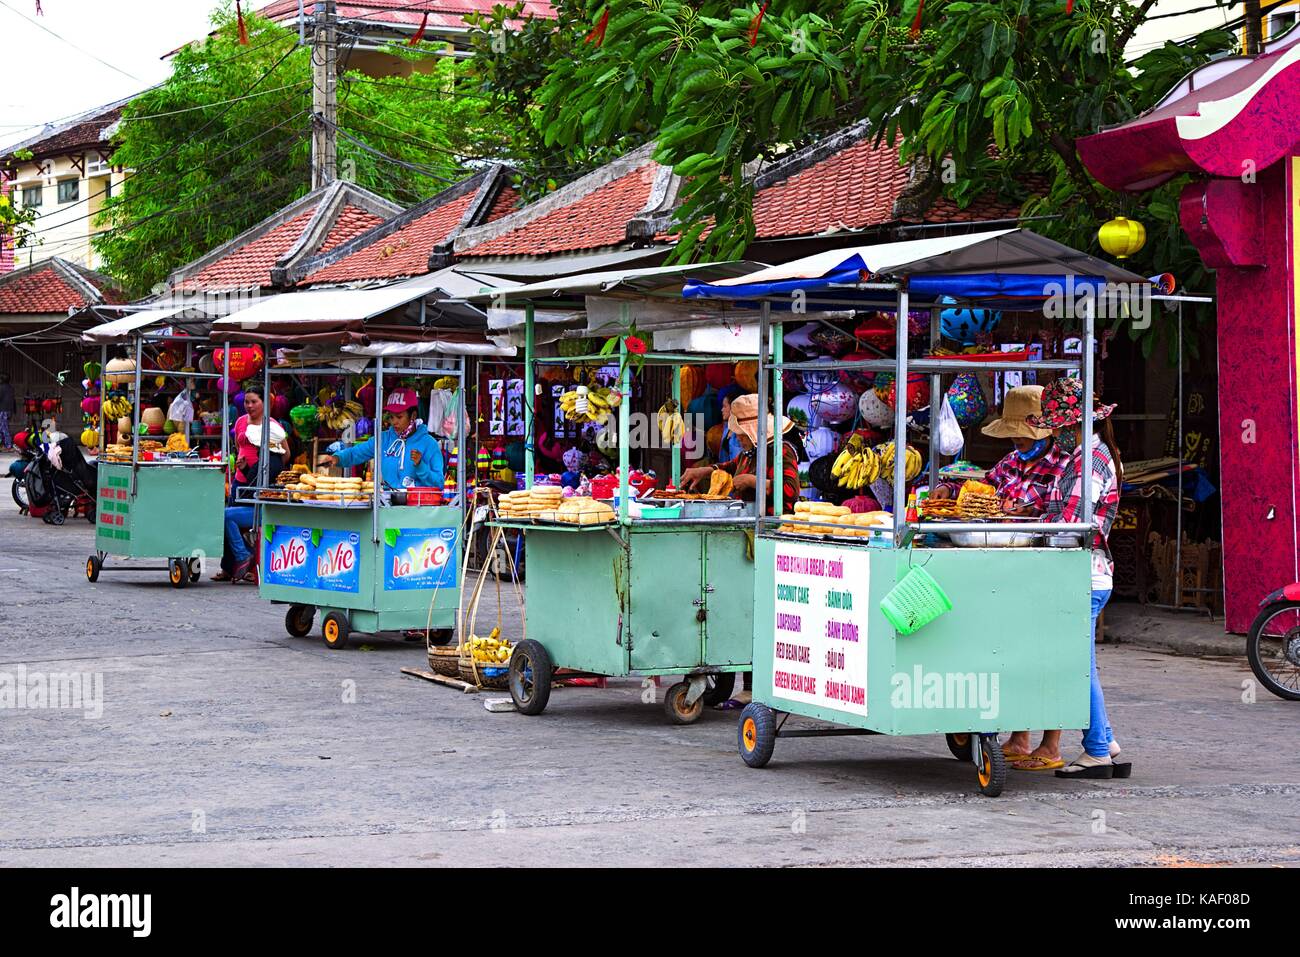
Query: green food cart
[[167, 505], [1012, 652], [639, 596], [384, 564]]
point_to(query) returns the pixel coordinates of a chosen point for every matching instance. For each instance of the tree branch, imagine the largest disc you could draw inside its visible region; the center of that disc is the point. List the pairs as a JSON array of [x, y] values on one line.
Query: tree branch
[[1139, 18]]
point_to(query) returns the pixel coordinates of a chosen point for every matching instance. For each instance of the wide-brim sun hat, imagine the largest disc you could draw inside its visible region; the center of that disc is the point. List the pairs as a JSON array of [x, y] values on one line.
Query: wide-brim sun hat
[[1019, 405], [1062, 406], [744, 419]]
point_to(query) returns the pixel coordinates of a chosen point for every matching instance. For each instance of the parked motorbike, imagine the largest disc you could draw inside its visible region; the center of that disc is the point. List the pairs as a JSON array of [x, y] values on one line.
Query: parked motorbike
[[1273, 643]]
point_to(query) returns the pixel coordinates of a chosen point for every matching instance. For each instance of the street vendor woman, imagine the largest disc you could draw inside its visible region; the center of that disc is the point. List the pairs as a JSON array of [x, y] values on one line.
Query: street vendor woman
[[1025, 476], [411, 456], [744, 467]]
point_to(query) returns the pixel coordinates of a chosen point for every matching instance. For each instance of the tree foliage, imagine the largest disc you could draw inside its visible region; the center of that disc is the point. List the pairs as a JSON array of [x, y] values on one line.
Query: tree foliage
[[16, 221], [225, 141]]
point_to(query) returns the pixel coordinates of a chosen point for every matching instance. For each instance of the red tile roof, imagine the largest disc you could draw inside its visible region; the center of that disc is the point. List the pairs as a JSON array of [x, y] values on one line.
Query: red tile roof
[[597, 219], [505, 204], [75, 136], [407, 13], [402, 253], [43, 288], [249, 266]]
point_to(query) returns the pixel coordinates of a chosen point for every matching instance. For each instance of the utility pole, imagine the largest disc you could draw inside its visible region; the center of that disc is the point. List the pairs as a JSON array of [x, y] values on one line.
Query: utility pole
[[324, 96], [1254, 28]]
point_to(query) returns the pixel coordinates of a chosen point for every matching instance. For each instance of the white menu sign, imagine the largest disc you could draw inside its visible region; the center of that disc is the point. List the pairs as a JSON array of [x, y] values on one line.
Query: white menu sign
[[820, 644]]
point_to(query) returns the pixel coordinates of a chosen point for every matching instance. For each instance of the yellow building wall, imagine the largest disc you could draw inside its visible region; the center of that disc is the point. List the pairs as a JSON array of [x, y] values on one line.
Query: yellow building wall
[[63, 229]]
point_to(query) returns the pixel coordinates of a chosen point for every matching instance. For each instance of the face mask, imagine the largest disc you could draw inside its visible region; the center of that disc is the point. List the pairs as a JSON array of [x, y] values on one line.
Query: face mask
[[1068, 441], [1033, 452]]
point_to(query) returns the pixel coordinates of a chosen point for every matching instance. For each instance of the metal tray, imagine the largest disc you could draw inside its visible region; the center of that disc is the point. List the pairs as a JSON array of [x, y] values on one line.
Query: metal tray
[[702, 508], [993, 539]]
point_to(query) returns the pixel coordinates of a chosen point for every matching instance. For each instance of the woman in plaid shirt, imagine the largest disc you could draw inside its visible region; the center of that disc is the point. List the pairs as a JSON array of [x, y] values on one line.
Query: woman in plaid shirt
[[1062, 403]]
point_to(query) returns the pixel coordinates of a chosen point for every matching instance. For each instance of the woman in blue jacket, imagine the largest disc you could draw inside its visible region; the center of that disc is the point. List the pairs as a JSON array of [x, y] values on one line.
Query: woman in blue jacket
[[411, 456]]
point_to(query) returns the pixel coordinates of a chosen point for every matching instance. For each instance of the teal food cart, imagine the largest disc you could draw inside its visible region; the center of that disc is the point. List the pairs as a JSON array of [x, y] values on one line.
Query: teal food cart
[[1012, 652], [638, 596], [163, 505]]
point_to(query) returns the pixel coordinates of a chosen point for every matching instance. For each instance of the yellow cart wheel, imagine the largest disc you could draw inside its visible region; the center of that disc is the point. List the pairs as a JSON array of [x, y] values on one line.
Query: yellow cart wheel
[[334, 629], [676, 708], [959, 745], [178, 572], [756, 734], [992, 770]]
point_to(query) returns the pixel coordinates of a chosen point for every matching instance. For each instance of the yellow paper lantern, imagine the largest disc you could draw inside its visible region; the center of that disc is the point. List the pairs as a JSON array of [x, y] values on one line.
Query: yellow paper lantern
[[1122, 237]]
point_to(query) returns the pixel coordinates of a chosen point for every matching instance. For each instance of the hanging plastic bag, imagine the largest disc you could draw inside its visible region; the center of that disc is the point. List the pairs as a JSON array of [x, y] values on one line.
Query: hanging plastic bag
[[181, 409], [947, 432]]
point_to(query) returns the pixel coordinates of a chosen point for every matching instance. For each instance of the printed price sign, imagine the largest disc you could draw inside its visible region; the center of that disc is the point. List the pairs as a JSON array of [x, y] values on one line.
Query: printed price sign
[[420, 558], [819, 655]]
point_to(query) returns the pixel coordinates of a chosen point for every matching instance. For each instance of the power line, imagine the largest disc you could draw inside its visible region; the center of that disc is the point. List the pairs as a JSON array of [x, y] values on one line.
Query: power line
[[208, 106], [391, 159], [63, 39]]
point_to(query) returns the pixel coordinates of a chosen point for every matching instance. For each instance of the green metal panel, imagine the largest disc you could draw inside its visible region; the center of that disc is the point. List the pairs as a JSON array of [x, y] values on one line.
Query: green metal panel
[[378, 608], [576, 597], [178, 511], [667, 599], [1012, 653], [729, 583]]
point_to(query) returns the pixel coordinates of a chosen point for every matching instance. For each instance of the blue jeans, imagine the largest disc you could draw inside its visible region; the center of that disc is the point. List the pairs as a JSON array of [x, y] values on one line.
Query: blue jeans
[[1097, 736], [238, 518]]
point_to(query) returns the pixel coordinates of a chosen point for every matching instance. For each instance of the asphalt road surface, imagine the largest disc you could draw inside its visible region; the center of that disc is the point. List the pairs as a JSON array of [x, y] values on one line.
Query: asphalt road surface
[[223, 741]]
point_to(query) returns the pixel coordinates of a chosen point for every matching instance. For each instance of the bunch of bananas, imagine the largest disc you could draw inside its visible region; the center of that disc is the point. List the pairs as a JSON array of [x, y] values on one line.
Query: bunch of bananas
[[672, 427], [492, 650], [857, 465], [585, 404], [338, 413], [117, 406], [912, 468]]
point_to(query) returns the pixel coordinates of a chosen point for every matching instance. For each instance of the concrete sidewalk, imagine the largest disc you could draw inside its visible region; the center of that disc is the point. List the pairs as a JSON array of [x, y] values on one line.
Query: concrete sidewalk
[[1183, 633]]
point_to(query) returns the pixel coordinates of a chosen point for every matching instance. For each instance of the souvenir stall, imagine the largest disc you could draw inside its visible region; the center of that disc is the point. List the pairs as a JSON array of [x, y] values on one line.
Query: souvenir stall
[[162, 418], [628, 575], [363, 545], [893, 628]]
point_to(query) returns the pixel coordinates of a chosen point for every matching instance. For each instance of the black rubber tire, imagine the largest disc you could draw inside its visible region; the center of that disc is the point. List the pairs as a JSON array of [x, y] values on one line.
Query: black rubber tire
[[1257, 664], [442, 636], [959, 745], [18, 489], [298, 620], [720, 687], [93, 565], [992, 773], [756, 734], [178, 572], [675, 705], [530, 677], [334, 630], [55, 515], [91, 514], [195, 567]]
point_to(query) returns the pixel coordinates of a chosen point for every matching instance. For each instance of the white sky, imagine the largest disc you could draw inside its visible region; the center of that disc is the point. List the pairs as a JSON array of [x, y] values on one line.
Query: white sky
[[43, 79]]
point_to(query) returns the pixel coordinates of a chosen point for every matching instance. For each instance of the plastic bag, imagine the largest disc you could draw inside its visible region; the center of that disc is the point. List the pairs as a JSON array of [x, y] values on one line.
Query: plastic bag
[[181, 409], [947, 432]]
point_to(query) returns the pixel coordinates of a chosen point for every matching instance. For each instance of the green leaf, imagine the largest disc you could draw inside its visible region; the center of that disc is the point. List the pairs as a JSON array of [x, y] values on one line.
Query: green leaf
[[390, 537]]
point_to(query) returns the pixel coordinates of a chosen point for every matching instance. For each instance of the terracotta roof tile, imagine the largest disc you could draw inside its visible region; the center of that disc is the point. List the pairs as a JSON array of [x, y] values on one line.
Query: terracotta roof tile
[[351, 222], [506, 202], [44, 290], [409, 13], [401, 253], [597, 219]]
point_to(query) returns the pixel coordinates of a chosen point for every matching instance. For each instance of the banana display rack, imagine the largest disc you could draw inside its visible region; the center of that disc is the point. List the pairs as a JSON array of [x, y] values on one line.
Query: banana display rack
[[905, 632], [633, 596], [169, 503]]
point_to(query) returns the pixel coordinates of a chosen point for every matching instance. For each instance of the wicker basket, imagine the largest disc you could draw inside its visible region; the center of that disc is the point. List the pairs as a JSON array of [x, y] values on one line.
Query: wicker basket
[[498, 683], [444, 660]]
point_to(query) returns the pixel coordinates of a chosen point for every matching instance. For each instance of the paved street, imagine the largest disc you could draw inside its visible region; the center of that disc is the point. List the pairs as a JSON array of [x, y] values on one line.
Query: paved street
[[223, 741]]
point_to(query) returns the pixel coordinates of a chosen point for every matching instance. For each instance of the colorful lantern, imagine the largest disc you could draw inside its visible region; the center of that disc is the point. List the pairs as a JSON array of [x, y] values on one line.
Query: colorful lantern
[[746, 375], [967, 400], [874, 410], [245, 361], [962, 324], [918, 392], [802, 413], [1122, 237], [835, 405], [120, 371], [821, 441], [483, 463], [304, 418]]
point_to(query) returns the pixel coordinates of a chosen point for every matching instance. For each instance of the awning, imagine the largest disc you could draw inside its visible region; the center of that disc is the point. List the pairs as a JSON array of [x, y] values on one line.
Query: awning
[[122, 328], [549, 267], [1005, 268]]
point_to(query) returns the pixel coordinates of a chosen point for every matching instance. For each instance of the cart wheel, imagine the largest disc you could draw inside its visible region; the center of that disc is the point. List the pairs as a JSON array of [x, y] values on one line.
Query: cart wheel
[[334, 629], [55, 515], [530, 677], [720, 687], [93, 565], [959, 745], [298, 619], [195, 568], [756, 734], [993, 766], [90, 514], [675, 706], [441, 636], [178, 572]]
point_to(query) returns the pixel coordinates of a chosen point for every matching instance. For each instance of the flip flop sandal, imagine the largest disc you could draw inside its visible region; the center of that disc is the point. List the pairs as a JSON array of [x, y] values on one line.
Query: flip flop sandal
[[1090, 771], [1028, 763], [1123, 769], [1014, 755], [731, 704]]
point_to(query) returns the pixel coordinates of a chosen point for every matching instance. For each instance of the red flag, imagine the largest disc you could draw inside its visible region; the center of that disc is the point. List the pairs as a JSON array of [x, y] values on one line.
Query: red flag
[[243, 28], [419, 34], [756, 24], [1069, 7], [598, 31], [39, 11], [916, 21]]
